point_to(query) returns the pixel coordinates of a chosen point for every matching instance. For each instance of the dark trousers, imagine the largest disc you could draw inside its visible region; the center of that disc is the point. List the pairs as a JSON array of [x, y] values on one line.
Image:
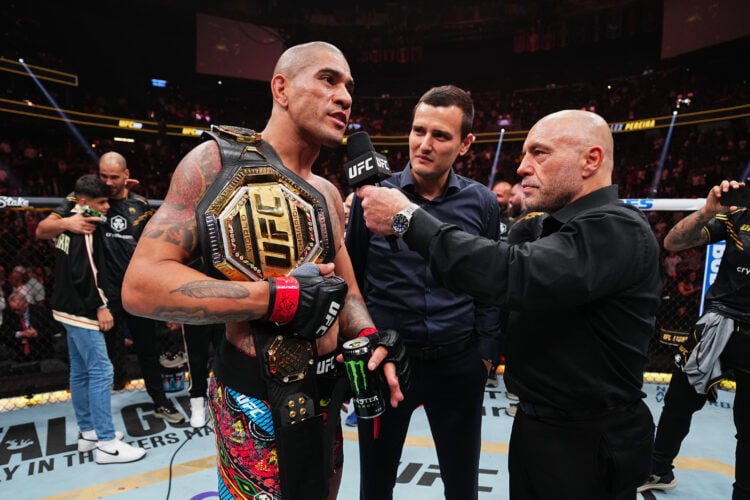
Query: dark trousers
[[601, 457], [681, 401], [451, 390], [199, 339], [115, 341], [143, 332]]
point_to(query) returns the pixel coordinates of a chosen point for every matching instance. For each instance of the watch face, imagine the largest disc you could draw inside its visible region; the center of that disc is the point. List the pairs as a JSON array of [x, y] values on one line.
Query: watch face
[[400, 223]]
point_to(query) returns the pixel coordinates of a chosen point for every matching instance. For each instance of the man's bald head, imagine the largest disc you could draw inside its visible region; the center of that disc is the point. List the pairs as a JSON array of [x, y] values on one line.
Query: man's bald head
[[113, 170], [567, 155], [296, 58], [311, 88], [583, 129], [113, 159]]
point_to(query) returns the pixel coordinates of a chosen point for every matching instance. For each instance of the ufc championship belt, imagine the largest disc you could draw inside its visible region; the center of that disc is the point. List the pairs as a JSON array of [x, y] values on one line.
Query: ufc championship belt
[[258, 220]]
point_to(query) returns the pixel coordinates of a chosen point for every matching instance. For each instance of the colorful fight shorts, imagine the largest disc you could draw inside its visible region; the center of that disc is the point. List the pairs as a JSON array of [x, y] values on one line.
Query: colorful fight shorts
[[245, 438]]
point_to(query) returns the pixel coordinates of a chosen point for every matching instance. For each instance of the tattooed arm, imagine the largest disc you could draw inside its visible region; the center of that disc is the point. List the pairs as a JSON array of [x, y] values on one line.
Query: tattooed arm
[[354, 316], [159, 285], [689, 231]]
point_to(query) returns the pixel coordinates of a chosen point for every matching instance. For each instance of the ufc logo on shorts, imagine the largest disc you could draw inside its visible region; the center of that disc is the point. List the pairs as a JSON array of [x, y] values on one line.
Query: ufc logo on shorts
[[325, 365]]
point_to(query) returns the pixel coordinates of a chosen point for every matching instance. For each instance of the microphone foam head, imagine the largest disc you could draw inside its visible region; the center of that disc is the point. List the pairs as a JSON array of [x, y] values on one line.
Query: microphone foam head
[[358, 144]]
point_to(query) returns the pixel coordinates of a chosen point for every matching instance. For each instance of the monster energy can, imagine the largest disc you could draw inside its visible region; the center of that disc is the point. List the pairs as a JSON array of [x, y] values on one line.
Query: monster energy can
[[367, 386]]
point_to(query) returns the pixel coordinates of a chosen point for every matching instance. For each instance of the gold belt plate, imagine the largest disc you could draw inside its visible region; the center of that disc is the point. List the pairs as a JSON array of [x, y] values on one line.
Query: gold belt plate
[[263, 224]]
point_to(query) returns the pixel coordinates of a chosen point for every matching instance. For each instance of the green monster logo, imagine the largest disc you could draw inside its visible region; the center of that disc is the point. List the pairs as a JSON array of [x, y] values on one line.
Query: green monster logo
[[355, 370]]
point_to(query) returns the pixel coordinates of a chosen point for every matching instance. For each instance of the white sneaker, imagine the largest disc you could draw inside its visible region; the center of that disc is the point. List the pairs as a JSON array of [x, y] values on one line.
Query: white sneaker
[[117, 452], [85, 444], [655, 482], [197, 412]]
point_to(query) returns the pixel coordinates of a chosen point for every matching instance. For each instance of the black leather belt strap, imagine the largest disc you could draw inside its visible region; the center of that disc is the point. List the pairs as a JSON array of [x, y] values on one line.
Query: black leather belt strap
[[298, 422], [544, 411], [437, 352], [239, 371]]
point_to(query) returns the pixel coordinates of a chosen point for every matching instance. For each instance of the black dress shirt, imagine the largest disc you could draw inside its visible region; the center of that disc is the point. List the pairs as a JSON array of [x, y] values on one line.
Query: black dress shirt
[[583, 298]]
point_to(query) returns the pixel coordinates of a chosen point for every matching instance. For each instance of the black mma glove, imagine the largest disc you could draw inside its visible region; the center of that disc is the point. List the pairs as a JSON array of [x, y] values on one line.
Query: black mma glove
[[308, 302], [391, 340]]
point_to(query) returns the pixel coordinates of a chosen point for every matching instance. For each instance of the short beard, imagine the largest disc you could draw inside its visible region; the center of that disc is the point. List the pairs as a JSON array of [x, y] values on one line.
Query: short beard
[[551, 205]]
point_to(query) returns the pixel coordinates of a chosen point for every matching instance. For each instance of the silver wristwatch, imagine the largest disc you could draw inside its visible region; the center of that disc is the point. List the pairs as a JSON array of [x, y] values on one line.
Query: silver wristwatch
[[400, 221]]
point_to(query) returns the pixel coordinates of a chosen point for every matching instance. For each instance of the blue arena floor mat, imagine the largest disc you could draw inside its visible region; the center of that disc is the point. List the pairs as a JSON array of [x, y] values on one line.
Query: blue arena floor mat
[[38, 456]]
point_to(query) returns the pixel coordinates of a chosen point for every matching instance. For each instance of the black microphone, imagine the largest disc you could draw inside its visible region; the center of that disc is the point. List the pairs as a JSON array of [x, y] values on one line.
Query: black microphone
[[366, 167]]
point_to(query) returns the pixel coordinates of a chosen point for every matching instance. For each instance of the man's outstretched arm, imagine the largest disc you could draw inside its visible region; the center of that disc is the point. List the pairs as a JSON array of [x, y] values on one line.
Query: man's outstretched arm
[[689, 231], [158, 284], [53, 225]]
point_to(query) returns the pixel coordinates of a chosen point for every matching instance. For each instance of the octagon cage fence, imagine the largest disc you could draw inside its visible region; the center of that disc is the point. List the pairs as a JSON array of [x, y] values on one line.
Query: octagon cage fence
[[44, 380]]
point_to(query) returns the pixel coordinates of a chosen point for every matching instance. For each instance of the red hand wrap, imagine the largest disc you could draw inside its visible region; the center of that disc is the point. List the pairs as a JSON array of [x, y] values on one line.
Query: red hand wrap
[[367, 331], [285, 301]]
